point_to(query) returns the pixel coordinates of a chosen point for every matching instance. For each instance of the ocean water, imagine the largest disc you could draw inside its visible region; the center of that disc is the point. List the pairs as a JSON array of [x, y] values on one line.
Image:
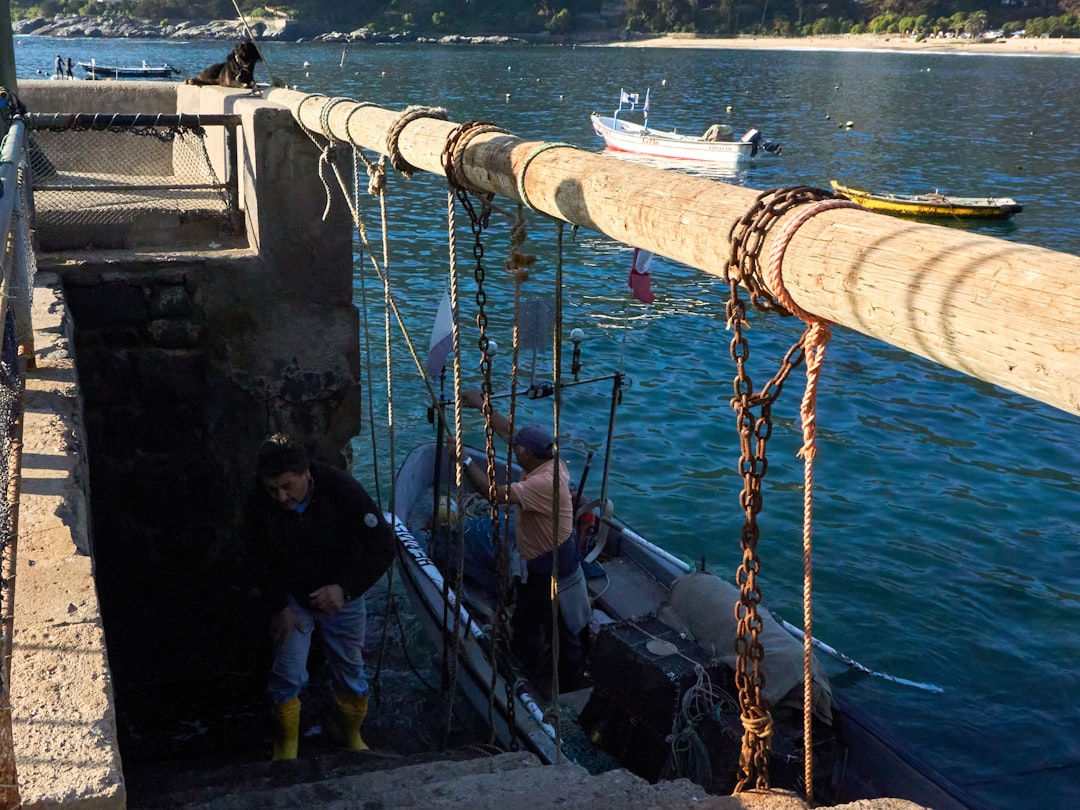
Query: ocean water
[[947, 511]]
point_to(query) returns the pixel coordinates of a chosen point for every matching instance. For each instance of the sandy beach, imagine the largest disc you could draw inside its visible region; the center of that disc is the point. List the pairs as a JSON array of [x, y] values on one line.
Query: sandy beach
[[1013, 46]]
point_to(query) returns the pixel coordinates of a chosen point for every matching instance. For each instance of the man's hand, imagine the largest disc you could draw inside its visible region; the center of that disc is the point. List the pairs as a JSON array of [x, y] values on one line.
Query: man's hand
[[281, 626], [472, 399], [328, 599]]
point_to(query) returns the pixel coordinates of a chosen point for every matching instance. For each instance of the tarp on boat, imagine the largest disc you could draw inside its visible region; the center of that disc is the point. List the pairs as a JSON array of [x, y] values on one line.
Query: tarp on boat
[[703, 606]]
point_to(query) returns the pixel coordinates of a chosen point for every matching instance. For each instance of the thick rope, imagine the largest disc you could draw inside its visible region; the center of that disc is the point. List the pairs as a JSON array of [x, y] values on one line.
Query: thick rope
[[324, 115], [393, 135], [525, 167], [450, 645], [326, 150], [814, 342]]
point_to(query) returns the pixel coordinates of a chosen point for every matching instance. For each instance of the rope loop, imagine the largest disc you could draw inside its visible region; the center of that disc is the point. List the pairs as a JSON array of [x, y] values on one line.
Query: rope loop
[[393, 135], [525, 167], [324, 116], [453, 154], [300, 105], [773, 275], [747, 237], [359, 105]]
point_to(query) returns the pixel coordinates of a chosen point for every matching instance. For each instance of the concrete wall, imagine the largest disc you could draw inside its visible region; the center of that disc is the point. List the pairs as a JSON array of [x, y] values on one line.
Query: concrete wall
[[187, 360]]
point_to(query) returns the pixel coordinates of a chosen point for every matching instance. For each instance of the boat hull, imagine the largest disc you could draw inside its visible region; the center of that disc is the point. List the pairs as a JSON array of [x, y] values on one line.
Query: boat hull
[[637, 581], [624, 136], [932, 205], [105, 72]]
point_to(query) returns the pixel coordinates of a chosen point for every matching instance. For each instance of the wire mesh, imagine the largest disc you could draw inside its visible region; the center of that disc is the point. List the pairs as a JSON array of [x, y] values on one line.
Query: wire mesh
[[90, 174]]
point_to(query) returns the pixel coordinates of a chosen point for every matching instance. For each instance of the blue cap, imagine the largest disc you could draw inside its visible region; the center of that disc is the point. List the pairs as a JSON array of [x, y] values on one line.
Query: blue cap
[[536, 440]]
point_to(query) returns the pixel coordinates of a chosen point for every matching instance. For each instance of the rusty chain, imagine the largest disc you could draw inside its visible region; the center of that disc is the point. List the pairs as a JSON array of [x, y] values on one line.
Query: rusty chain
[[478, 223], [746, 238]]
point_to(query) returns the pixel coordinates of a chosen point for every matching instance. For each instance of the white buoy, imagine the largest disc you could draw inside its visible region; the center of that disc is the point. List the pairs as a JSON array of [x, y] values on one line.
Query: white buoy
[[507, 96], [849, 124], [663, 83], [307, 63]]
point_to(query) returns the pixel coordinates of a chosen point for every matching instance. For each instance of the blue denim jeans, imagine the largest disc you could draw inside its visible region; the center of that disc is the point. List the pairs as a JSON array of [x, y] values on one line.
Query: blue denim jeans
[[342, 641]]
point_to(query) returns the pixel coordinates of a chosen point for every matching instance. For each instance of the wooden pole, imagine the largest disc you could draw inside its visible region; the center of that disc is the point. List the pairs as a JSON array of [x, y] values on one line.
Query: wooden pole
[[1002, 312]]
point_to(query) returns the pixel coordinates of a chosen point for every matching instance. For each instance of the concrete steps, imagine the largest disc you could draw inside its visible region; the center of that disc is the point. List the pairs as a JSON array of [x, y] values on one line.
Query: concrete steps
[[457, 778]]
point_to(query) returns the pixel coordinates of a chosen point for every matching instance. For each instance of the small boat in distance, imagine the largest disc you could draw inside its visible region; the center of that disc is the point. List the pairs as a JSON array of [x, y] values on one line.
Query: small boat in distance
[[935, 204], [146, 71], [717, 144]]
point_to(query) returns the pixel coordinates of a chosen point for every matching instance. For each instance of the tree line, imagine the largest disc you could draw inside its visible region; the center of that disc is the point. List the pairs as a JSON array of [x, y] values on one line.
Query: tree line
[[785, 18]]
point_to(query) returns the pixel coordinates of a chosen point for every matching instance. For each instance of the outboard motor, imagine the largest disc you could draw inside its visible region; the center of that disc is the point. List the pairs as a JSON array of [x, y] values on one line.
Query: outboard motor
[[753, 136]]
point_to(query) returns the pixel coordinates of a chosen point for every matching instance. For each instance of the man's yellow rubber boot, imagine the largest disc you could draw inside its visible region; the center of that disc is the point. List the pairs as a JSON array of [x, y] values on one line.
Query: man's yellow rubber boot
[[286, 729], [351, 713]]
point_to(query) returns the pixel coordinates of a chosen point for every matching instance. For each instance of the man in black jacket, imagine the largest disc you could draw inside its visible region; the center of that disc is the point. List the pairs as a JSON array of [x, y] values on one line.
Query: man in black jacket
[[319, 543]]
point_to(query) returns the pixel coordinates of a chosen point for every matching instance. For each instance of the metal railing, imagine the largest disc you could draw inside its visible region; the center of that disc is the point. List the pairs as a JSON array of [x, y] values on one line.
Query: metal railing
[[19, 267]]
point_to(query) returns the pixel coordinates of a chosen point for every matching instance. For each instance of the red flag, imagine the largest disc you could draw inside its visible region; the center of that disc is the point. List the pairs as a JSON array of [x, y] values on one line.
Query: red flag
[[639, 276]]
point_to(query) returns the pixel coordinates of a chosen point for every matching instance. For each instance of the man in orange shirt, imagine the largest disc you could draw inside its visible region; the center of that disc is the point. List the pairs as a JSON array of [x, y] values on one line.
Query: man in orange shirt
[[534, 501]]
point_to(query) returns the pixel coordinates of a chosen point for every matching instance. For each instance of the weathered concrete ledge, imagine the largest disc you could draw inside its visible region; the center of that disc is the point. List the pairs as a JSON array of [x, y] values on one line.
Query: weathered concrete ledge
[[63, 712]]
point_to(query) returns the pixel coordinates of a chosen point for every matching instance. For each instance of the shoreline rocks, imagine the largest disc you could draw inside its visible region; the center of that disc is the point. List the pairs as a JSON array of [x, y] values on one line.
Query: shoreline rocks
[[277, 29]]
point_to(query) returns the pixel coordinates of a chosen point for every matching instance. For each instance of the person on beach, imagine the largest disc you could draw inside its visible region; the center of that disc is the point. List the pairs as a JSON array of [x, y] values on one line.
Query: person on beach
[[319, 542], [59, 72], [533, 500], [69, 69]]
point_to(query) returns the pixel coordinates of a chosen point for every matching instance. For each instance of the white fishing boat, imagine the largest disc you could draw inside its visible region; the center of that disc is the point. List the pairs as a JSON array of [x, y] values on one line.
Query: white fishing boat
[[717, 144], [661, 662]]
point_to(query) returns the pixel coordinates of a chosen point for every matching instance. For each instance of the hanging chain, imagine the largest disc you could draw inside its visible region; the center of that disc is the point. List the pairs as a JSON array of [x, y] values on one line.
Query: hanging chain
[[478, 222], [746, 238]]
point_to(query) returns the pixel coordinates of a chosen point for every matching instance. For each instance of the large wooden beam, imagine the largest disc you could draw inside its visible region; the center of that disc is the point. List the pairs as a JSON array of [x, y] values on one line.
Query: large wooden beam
[[1002, 312]]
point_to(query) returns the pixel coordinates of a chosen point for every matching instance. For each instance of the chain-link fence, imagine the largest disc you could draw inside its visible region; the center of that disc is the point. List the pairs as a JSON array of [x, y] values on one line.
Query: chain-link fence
[[95, 174]]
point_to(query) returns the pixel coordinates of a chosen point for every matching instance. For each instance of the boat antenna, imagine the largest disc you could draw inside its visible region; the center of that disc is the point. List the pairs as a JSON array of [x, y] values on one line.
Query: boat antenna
[[274, 80]]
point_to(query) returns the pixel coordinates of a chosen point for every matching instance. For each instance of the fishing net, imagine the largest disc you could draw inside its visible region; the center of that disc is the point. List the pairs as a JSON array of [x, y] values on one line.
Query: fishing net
[[94, 174]]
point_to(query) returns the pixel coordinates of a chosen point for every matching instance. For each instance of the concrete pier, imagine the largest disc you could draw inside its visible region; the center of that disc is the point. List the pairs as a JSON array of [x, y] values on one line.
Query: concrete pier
[[156, 372]]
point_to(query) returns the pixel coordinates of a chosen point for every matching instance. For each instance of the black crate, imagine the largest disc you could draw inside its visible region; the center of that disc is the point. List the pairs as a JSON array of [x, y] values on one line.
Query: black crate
[[641, 669]]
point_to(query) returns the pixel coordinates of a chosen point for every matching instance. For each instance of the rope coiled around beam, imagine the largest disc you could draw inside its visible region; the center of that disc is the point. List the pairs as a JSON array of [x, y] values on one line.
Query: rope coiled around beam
[[525, 167], [407, 116]]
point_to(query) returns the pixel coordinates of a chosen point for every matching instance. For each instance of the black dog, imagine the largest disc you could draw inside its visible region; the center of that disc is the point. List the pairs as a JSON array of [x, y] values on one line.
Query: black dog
[[238, 70]]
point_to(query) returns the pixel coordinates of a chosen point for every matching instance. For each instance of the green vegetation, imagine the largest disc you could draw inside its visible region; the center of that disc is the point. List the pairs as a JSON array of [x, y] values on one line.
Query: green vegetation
[[919, 18]]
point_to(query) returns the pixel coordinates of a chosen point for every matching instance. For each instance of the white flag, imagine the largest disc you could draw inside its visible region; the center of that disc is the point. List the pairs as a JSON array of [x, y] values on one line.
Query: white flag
[[442, 337]]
